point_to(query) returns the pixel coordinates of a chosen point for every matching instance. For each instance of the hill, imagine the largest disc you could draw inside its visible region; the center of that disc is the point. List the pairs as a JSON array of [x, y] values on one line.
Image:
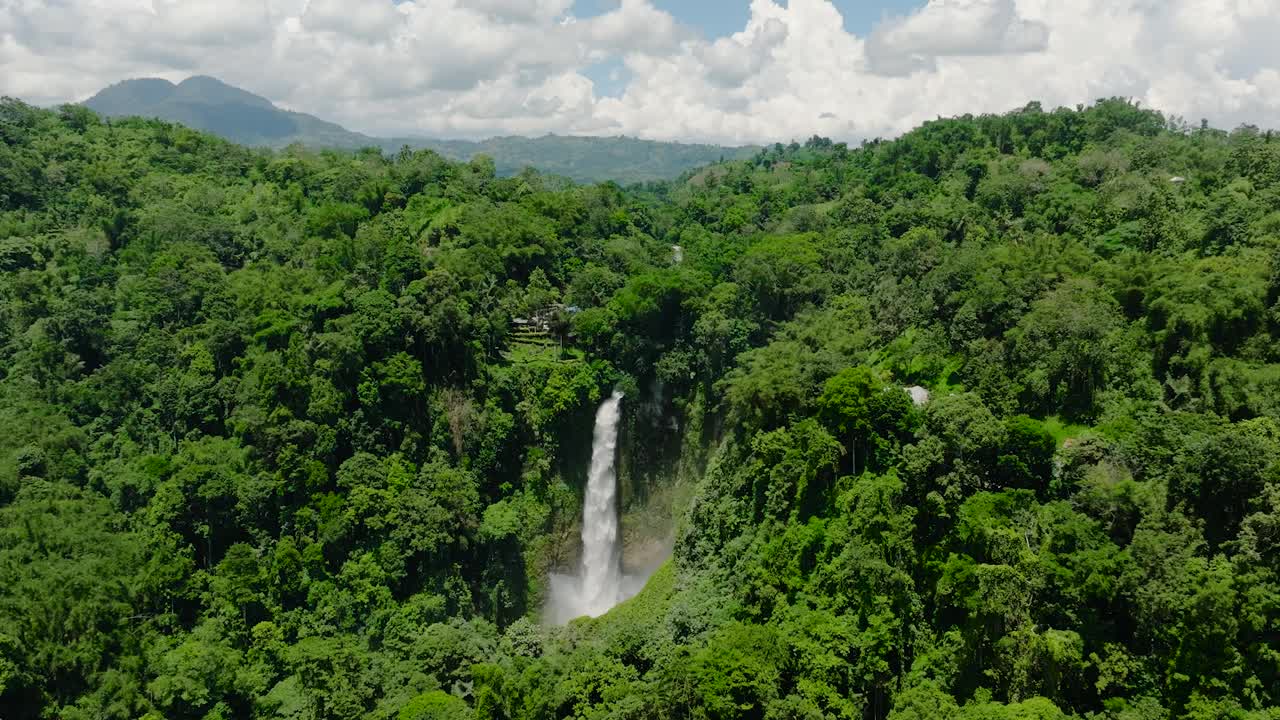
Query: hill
[[589, 159], [208, 104], [274, 445], [205, 103]]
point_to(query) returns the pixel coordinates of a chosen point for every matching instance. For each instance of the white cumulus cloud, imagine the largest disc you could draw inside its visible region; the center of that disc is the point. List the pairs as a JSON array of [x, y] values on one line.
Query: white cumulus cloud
[[527, 11], [953, 28], [481, 67], [370, 21], [731, 60]]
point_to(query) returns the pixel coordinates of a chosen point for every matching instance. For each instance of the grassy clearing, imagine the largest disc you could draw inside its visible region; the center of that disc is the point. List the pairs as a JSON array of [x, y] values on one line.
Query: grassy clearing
[[1063, 430]]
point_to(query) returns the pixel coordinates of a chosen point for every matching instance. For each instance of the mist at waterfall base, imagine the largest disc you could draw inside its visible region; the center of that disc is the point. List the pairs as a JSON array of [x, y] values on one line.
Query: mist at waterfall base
[[600, 583]]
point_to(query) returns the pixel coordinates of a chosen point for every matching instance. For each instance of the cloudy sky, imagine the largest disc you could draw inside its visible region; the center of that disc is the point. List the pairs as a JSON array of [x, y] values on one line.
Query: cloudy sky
[[706, 70]]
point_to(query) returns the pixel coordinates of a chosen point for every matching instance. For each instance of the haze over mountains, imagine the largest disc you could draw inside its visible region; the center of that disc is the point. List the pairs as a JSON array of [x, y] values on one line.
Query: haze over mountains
[[208, 104]]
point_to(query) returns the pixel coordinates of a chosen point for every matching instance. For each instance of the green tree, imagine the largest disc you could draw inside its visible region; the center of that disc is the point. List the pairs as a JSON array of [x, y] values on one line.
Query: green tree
[[1066, 345], [856, 405]]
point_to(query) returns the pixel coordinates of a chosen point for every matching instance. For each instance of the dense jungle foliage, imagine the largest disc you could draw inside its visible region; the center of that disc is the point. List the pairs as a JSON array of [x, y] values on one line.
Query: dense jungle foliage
[[269, 447]]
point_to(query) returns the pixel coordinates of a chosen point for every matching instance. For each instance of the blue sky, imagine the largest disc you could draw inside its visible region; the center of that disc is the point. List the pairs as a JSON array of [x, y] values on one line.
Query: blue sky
[[664, 69], [717, 18]]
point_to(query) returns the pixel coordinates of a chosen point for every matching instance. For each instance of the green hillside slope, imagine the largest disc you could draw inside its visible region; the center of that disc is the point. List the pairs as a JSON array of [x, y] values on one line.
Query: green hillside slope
[[270, 448], [210, 105]]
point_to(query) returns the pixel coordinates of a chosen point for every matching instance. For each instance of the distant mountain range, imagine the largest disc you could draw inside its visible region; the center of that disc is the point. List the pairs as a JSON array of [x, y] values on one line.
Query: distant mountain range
[[208, 104]]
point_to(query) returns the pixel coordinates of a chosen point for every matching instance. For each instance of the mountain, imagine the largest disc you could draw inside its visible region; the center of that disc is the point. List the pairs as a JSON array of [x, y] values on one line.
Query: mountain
[[208, 104]]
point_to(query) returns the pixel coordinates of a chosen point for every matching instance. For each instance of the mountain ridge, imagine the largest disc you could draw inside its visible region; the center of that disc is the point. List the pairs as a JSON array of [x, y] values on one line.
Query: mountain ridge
[[209, 104]]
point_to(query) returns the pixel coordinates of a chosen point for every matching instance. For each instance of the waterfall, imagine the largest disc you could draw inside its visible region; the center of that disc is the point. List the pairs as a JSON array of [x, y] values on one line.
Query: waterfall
[[600, 582], [601, 574]]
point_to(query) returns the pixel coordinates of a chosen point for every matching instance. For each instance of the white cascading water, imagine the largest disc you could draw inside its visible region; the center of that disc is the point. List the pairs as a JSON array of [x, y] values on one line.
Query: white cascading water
[[601, 576], [600, 583]]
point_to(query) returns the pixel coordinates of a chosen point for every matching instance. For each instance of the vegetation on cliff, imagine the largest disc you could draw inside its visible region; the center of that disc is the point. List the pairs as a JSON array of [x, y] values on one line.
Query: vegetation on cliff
[[270, 448]]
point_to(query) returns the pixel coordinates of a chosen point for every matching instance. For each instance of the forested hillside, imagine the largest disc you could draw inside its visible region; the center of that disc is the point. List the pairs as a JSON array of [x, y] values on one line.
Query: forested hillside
[[208, 104], [620, 159], [269, 447]]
